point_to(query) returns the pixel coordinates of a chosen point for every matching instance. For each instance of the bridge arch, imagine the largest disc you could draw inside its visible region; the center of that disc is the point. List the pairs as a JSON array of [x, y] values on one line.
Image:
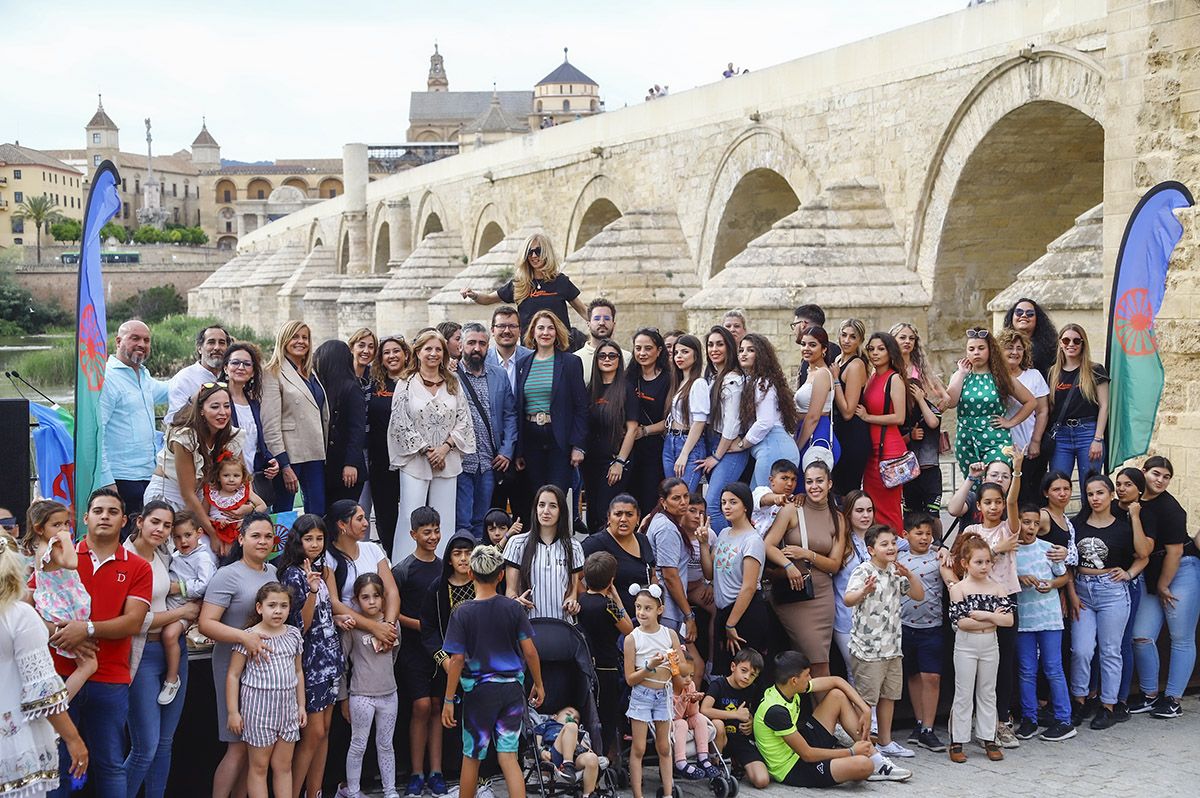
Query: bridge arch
[[316, 234], [1022, 156], [599, 204], [382, 249], [489, 230], [431, 215], [760, 178]]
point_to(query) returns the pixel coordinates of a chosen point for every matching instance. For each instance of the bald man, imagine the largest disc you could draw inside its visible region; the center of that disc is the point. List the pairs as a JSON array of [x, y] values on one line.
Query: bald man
[[127, 403]]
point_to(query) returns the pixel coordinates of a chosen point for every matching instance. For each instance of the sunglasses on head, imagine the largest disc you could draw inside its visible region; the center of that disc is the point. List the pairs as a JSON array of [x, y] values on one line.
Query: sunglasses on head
[[1021, 312], [978, 333], [207, 385]]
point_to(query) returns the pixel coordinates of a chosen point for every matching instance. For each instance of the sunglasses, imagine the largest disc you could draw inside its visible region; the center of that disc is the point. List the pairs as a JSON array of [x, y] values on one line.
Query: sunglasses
[[1022, 313], [240, 364], [1070, 341], [8, 523], [607, 356], [535, 252], [206, 386], [978, 333]]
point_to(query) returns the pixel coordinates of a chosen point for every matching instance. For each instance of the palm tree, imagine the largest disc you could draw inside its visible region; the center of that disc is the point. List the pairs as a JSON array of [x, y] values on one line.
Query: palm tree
[[41, 211]]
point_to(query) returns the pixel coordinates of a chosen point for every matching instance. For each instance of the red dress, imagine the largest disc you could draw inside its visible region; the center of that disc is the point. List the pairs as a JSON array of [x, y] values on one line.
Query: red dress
[[885, 499]]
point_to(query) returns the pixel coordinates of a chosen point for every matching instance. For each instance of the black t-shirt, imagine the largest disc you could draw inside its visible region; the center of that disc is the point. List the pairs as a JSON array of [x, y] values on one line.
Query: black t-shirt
[[1165, 520], [1104, 547], [600, 435], [414, 578], [630, 570], [600, 628], [552, 295], [1078, 407], [379, 415], [1058, 536], [727, 698], [646, 400], [488, 633]]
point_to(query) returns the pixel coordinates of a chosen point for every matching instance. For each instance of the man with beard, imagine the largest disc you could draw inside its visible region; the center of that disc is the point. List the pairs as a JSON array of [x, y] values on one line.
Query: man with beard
[[602, 323], [494, 416], [127, 403], [211, 343]]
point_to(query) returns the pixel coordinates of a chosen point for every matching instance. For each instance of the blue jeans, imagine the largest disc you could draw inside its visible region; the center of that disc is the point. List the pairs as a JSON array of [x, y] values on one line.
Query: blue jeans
[[99, 711], [1135, 586], [1101, 623], [151, 725], [1046, 646], [729, 469], [474, 500], [1181, 627], [1071, 446], [672, 446], [778, 445]]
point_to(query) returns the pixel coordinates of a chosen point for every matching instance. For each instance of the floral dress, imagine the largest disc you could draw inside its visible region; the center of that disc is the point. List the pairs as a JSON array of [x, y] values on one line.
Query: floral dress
[[977, 441], [59, 595], [321, 659], [30, 690]]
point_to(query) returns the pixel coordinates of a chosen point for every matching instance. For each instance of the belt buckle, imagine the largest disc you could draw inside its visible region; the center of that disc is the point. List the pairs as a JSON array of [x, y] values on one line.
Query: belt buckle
[[541, 419]]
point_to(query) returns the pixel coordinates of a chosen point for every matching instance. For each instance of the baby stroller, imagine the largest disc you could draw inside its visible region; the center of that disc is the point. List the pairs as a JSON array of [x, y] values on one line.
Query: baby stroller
[[723, 786], [569, 678]]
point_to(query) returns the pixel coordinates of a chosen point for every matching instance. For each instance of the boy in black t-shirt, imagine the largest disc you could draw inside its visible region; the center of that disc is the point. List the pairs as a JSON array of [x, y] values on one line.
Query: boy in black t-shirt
[[730, 701], [604, 620]]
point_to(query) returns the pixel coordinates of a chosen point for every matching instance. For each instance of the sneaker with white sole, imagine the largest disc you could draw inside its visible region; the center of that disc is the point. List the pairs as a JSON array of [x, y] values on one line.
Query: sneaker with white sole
[[169, 689], [842, 737], [485, 790], [889, 771], [895, 749], [1005, 737]]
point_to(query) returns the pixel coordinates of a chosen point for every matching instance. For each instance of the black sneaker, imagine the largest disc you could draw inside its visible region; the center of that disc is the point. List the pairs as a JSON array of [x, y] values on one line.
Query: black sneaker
[[1121, 712], [1142, 704], [1167, 709], [931, 741], [1077, 716], [914, 736], [1059, 732], [1091, 706], [1103, 720], [1045, 717], [1027, 730]]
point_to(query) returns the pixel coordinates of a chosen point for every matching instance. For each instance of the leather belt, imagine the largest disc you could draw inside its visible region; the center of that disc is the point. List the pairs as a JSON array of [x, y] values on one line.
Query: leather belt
[[540, 419]]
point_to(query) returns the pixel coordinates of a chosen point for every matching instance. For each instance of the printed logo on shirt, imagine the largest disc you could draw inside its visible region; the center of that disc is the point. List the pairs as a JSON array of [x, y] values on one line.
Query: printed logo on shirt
[[541, 292], [641, 395]]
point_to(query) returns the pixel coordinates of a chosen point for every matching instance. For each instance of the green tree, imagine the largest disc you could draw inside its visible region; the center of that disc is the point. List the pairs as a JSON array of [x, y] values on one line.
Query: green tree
[[151, 305], [114, 230], [147, 234], [67, 230], [41, 211]]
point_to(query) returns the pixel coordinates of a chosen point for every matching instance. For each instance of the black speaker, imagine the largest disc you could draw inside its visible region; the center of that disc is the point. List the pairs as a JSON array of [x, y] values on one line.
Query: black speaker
[[16, 486]]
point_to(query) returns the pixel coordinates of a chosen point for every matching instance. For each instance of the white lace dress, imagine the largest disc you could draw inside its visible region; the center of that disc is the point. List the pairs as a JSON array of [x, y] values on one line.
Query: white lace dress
[[30, 690]]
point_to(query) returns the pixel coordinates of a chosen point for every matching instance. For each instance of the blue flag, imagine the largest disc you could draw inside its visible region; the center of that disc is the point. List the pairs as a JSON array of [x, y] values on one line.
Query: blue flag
[[91, 334], [1139, 283], [55, 451]]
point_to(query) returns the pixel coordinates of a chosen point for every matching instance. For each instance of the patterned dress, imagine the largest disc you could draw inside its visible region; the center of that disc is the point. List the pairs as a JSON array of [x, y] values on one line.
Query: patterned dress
[[220, 504], [321, 658], [977, 441]]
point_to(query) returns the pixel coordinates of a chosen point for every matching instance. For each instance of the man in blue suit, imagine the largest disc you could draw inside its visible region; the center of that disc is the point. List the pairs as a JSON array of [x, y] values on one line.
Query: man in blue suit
[[494, 416], [505, 351]]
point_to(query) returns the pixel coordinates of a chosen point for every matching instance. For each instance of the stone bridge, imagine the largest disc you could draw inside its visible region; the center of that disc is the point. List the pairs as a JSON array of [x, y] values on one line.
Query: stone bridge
[[916, 175]]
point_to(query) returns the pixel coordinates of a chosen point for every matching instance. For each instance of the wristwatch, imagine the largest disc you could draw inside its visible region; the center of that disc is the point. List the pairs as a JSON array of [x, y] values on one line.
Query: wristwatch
[[91, 629]]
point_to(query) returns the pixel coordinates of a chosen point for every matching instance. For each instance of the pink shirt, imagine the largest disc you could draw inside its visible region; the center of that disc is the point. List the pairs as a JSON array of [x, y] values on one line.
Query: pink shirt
[[1004, 566]]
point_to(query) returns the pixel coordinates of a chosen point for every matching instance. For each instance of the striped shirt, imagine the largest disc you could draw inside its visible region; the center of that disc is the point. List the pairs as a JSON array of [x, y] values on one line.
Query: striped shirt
[[539, 385], [549, 574], [278, 671]]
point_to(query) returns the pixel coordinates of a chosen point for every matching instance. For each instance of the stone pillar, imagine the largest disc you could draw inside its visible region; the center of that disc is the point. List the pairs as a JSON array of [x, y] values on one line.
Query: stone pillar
[[354, 215], [241, 226], [399, 218]]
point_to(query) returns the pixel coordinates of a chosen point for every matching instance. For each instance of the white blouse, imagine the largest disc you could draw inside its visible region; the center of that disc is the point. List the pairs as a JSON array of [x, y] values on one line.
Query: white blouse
[[731, 405], [421, 420], [766, 414], [698, 406]]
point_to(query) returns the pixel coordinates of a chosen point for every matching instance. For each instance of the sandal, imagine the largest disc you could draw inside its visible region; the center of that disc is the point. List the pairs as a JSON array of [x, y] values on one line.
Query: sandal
[[690, 772]]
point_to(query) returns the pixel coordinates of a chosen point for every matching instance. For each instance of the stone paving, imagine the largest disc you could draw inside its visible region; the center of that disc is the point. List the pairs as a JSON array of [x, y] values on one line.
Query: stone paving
[[1141, 757]]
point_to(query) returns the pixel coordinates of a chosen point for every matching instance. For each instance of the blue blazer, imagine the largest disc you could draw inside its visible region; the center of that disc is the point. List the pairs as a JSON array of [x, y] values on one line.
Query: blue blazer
[[502, 407], [568, 400]]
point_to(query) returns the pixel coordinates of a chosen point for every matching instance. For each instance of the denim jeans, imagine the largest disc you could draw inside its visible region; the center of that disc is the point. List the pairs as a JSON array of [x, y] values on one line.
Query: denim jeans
[[672, 446], [1135, 586], [474, 500], [1181, 627], [1045, 646], [99, 711], [1101, 623], [1071, 446], [778, 445], [311, 476], [151, 725], [729, 469]]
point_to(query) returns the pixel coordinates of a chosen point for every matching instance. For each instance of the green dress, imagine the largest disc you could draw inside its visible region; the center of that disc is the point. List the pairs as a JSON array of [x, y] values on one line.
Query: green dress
[[977, 441]]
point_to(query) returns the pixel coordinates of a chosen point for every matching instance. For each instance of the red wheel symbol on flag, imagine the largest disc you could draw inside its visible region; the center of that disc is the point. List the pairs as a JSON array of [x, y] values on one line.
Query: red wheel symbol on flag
[[92, 349], [1133, 322]]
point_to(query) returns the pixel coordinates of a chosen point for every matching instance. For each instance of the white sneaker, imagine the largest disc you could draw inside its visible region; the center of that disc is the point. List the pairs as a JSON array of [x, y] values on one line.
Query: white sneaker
[[485, 790], [169, 689], [887, 771], [895, 749], [842, 737]]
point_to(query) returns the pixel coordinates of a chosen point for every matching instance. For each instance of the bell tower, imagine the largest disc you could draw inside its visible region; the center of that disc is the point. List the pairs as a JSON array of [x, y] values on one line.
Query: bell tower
[[437, 72]]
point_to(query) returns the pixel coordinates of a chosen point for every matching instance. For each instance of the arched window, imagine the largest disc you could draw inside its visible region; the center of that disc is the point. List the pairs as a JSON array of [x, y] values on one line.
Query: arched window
[[566, 105]]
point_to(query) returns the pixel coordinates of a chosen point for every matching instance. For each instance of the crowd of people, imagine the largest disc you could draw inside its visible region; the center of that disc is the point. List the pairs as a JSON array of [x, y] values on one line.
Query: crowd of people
[[727, 538]]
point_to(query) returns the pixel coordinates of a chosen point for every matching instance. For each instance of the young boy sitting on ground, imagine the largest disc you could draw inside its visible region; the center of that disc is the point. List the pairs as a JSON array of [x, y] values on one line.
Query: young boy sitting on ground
[[730, 702]]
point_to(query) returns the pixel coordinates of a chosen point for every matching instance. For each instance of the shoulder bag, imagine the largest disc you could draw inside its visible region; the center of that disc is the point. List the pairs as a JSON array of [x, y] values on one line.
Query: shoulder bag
[[898, 470], [781, 587], [500, 477]]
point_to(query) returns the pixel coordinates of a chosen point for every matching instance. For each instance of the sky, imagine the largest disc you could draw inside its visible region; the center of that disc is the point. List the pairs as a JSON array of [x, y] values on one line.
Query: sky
[[299, 78]]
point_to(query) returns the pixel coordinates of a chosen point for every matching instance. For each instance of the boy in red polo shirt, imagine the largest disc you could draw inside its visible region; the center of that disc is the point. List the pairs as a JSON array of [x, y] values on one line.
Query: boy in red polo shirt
[[120, 586]]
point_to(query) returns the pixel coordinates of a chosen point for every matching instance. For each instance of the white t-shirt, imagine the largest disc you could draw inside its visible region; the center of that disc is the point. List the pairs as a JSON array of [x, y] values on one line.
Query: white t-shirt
[[698, 406], [1036, 383], [245, 422], [367, 562]]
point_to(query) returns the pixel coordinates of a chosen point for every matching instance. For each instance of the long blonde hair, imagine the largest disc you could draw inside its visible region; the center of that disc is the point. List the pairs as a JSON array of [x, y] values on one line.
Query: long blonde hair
[[12, 572], [523, 278], [1087, 380], [917, 356], [414, 363], [286, 331]]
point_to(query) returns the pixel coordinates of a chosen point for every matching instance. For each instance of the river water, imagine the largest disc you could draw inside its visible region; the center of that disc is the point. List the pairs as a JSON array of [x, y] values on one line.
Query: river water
[[11, 349]]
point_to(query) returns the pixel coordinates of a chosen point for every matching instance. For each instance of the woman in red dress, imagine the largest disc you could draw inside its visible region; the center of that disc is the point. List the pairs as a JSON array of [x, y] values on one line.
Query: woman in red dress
[[884, 405]]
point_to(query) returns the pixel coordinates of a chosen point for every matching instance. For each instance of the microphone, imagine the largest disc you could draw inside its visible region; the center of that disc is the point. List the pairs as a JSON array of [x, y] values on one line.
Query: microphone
[[16, 375]]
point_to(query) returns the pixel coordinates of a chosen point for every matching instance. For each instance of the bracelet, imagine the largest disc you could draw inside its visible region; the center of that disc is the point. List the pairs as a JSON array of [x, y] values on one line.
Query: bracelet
[[789, 565], [691, 616], [727, 626], [454, 699], [1016, 473], [1097, 440]]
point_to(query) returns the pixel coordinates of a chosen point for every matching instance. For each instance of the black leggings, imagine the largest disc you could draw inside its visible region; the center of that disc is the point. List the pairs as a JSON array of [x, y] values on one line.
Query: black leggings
[[597, 490], [1006, 638], [645, 473], [754, 627], [385, 499], [855, 438]]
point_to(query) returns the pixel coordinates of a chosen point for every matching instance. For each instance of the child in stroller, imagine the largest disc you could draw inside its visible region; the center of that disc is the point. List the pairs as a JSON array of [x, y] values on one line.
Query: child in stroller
[[687, 717], [560, 741]]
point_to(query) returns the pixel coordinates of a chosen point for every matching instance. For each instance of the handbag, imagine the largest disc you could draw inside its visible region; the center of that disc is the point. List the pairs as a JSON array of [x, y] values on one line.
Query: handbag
[[828, 449], [781, 587], [898, 470]]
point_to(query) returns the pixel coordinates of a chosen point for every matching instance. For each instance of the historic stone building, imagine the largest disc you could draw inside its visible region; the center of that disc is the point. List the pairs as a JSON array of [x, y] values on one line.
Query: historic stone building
[[916, 175], [25, 173]]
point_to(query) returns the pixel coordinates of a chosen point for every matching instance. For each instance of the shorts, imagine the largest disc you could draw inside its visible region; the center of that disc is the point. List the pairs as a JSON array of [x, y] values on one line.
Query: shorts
[[649, 704], [876, 679], [922, 649], [925, 492], [269, 716], [741, 749], [492, 713], [813, 774], [320, 695], [417, 674]]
